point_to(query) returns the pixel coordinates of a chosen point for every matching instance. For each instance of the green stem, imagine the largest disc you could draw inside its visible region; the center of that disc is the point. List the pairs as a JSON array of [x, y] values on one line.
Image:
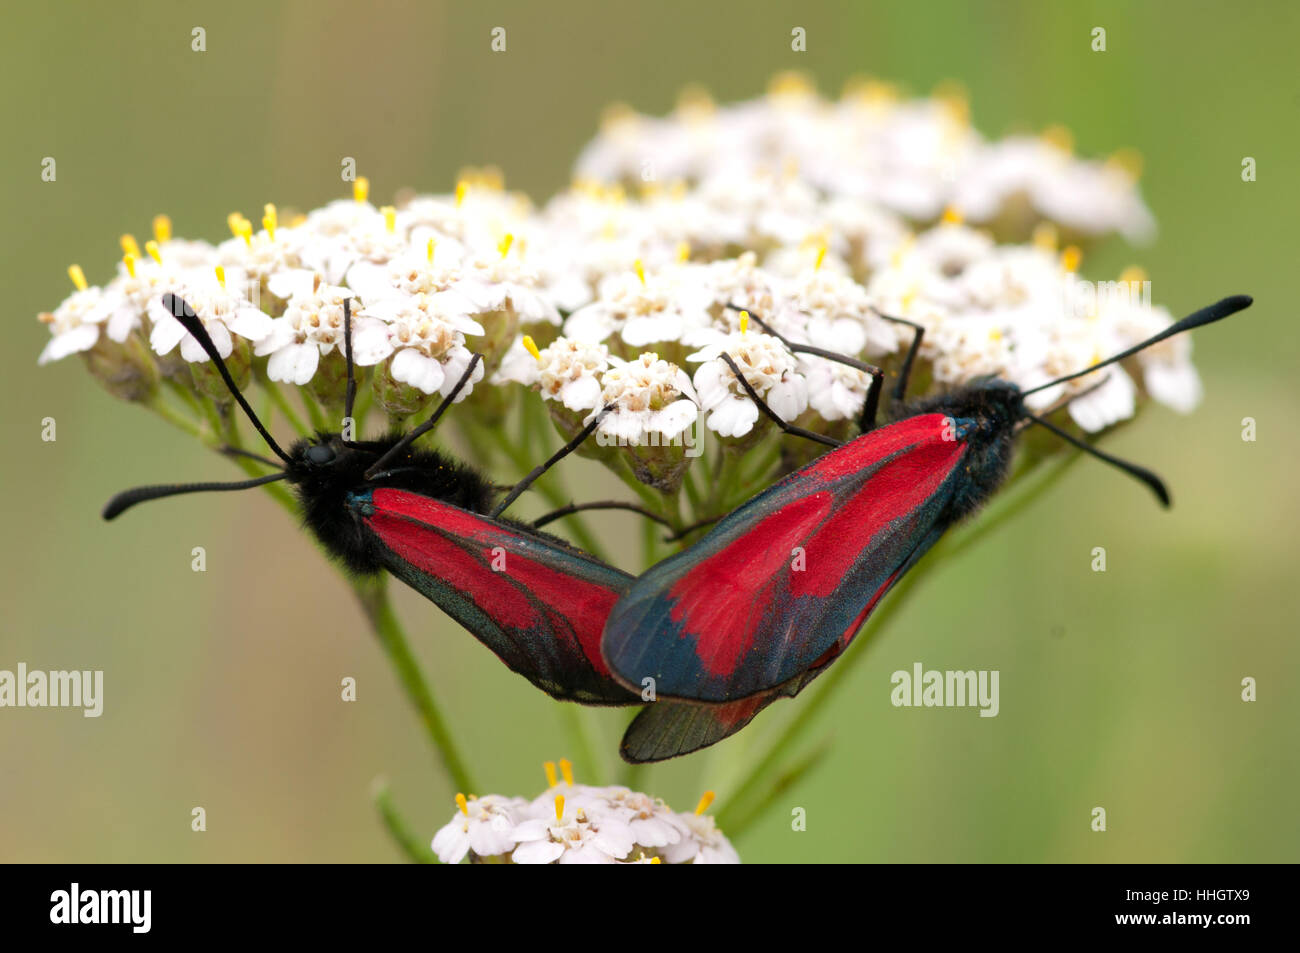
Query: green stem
[[415, 849], [372, 592], [728, 818], [578, 729], [282, 404], [167, 413], [314, 412]]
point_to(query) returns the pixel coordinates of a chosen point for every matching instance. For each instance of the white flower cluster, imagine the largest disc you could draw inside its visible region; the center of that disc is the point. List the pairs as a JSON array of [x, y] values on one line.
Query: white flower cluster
[[790, 207], [579, 824], [912, 157]]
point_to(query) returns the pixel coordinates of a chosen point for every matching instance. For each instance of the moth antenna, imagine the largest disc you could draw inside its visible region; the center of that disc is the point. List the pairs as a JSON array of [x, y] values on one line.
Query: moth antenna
[[1207, 315], [230, 451], [183, 313], [1132, 469], [1065, 402], [428, 425], [142, 494]]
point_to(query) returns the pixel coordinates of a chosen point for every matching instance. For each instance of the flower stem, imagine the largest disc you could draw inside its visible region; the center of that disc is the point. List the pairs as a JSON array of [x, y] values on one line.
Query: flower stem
[[372, 592], [413, 847], [283, 405], [729, 818]]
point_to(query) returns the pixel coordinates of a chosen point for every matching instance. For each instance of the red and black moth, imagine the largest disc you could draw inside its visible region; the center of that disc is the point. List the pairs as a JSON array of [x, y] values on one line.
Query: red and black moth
[[735, 618], [539, 603]]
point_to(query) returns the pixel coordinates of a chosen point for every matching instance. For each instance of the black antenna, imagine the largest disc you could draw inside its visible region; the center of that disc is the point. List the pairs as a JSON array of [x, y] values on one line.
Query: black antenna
[[1132, 469], [347, 353], [183, 313], [428, 425], [141, 494], [1208, 315]]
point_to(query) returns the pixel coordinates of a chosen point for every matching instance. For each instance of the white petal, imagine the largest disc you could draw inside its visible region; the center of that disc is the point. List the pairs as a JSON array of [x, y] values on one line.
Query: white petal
[[370, 342], [1174, 385], [734, 417], [581, 394], [537, 852], [789, 398], [122, 322], [80, 338], [167, 331], [294, 364], [251, 323], [411, 367]]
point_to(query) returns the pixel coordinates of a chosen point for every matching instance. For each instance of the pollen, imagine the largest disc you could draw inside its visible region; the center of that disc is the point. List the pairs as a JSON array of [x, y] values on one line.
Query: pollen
[[1046, 237], [683, 251], [744, 322], [695, 100], [639, 268], [951, 216], [559, 807], [361, 189], [129, 260], [1071, 258], [151, 247], [269, 220], [705, 800], [429, 249], [240, 226], [462, 187], [462, 804], [1128, 161], [1059, 136], [1134, 275], [791, 83], [504, 245], [549, 768], [531, 347], [221, 275], [566, 769], [162, 228], [821, 257], [129, 245], [78, 277], [390, 218]]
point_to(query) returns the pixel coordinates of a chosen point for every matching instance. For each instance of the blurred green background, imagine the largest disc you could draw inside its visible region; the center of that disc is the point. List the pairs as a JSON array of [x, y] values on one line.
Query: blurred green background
[[1118, 689]]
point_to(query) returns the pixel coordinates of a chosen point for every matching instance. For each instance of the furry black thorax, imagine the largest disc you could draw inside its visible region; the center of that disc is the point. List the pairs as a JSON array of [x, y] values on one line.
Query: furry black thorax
[[995, 406], [324, 480]]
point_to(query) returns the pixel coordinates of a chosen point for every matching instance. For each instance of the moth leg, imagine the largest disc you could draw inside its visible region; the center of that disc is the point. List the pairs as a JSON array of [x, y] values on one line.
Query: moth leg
[[687, 530], [429, 424], [772, 414], [572, 508], [905, 373], [347, 354], [559, 455], [867, 420]]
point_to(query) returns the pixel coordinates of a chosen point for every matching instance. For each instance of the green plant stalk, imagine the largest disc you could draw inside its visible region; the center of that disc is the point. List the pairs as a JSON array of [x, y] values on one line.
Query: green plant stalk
[[372, 592], [728, 817], [282, 404], [412, 846]]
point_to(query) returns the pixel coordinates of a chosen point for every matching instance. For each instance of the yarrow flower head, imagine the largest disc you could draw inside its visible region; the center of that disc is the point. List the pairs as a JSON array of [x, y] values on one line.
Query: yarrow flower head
[[768, 366], [579, 824]]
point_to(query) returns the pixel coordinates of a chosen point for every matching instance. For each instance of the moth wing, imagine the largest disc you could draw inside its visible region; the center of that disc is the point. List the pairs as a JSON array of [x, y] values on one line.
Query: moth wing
[[538, 604], [790, 574]]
